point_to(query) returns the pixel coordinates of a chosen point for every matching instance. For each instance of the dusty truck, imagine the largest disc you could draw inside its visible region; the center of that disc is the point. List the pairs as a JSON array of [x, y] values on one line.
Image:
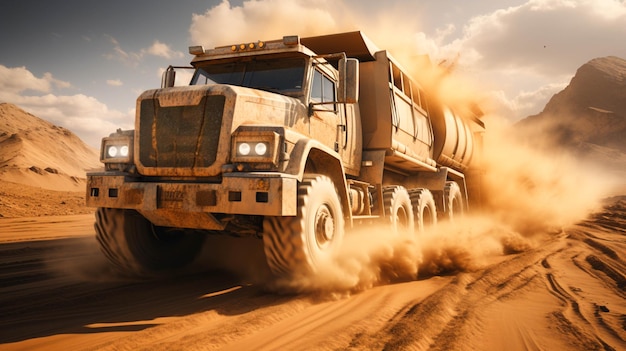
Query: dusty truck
[[294, 141]]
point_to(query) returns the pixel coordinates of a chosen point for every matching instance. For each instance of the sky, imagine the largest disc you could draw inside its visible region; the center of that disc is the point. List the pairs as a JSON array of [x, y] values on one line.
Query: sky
[[81, 64]]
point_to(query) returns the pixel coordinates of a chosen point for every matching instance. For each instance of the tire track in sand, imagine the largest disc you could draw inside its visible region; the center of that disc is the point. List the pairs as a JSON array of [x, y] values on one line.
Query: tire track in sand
[[551, 297]]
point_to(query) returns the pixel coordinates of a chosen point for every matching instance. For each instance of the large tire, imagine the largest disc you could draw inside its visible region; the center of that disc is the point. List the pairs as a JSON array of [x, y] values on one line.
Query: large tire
[[137, 248], [302, 244], [453, 198], [398, 209], [424, 208]]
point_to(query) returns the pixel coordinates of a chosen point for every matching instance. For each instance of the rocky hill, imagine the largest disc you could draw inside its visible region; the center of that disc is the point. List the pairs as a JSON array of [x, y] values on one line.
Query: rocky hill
[[588, 117], [36, 153]]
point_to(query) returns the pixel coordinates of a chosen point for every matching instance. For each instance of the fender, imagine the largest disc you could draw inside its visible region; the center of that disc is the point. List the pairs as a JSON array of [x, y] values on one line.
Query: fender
[[311, 156]]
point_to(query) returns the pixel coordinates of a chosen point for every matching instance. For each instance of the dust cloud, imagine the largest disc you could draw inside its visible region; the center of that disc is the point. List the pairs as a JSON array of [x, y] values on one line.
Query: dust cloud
[[368, 257], [529, 194], [535, 188], [376, 256]]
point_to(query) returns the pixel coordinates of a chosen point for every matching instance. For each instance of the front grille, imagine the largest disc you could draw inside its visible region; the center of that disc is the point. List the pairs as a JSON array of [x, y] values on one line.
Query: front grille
[[180, 136]]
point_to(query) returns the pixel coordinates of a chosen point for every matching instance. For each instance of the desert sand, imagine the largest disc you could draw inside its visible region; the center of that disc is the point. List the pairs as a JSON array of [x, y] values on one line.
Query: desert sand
[[565, 293], [36, 153]]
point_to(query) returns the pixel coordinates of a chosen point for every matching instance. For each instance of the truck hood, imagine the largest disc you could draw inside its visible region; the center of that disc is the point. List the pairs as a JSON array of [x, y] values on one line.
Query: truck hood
[[186, 131]]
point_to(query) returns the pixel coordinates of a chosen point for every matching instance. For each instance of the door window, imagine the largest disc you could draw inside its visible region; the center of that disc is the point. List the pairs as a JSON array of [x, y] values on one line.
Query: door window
[[323, 88]]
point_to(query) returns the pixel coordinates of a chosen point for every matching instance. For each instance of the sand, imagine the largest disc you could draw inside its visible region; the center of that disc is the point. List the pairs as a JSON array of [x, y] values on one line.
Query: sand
[[36, 153], [20, 200], [566, 293]]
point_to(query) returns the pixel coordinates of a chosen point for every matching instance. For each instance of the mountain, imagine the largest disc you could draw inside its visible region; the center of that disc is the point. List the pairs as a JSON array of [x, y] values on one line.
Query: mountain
[[588, 117], [37, 153]]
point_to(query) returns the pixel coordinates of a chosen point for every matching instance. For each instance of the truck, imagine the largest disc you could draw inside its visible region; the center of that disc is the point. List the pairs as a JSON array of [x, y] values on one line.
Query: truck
[[294, 141]]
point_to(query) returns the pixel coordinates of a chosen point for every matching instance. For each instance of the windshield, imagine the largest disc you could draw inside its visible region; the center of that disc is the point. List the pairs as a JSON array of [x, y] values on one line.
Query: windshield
[[282, 76]]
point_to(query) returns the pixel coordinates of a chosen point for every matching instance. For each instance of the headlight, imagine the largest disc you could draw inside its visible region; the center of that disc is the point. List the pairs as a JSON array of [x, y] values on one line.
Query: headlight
[[243, 149], [117, 151], [260, 149], [246, 149], [112, 151], [117, 148], [255, 147]]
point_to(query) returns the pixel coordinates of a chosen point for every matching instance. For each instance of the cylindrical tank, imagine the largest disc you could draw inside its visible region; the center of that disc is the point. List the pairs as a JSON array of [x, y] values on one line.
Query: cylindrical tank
[[454, 140]]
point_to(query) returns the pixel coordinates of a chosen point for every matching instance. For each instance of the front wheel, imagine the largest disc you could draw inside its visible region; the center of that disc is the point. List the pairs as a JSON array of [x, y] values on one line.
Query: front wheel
[[304, 243], [138, 248]]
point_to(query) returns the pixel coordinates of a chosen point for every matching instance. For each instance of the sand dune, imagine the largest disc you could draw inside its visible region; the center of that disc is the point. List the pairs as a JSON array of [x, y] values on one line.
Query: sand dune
[[37, 153]]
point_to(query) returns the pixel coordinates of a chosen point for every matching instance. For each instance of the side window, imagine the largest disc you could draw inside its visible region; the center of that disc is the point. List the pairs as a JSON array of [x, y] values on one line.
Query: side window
[[316, 89], [328, 90], [323, 89]]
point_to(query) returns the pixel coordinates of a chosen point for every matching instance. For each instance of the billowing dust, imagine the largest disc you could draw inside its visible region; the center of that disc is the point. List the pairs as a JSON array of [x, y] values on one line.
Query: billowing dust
[[377, 255], [528, 194]]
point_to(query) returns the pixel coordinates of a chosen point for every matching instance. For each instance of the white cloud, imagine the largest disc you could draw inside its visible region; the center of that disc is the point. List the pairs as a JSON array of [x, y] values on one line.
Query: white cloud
[[115, 82], [133, 59], [546, 36], [531, 49], [84, 115], [525, 103], [163, 50], [19, 79], [267, 19]]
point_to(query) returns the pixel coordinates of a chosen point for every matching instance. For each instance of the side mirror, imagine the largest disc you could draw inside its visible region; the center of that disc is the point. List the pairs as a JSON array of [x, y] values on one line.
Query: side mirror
[[169, 77], [348, 81]]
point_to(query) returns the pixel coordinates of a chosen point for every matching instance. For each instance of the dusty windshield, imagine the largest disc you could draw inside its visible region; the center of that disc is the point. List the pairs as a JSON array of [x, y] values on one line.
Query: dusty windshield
[[283, 76]]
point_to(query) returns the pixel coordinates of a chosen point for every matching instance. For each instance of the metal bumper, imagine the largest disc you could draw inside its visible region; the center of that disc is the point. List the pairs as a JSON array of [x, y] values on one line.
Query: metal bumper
[[189, 204]]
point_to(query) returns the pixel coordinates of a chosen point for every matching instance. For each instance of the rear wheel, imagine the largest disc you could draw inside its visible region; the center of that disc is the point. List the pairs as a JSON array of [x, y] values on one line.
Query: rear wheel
[[424, 208], [453, 198], [398, 208], [304, 243], [136, 247]]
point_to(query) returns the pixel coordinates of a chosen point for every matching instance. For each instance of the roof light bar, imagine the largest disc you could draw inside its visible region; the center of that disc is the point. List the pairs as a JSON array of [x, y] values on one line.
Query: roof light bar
[[249, 46]]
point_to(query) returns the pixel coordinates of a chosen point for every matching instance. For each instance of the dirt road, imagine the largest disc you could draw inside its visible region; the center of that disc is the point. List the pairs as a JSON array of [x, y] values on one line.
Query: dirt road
[[566, 292]]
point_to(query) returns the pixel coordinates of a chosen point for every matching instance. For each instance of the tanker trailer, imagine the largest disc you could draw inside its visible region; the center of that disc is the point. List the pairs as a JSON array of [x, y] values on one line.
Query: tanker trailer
[[293, 141]]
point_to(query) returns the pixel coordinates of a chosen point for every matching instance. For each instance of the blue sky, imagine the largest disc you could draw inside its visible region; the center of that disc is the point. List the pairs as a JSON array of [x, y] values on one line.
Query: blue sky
[[82, 64]]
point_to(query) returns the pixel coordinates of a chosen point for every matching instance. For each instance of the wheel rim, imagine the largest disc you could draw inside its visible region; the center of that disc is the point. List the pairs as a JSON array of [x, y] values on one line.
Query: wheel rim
[[324, 226]]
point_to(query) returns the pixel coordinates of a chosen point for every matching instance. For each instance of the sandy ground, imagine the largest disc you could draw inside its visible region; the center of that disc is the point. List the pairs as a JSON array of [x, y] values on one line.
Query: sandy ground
[[21, 200], [568, 292]]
